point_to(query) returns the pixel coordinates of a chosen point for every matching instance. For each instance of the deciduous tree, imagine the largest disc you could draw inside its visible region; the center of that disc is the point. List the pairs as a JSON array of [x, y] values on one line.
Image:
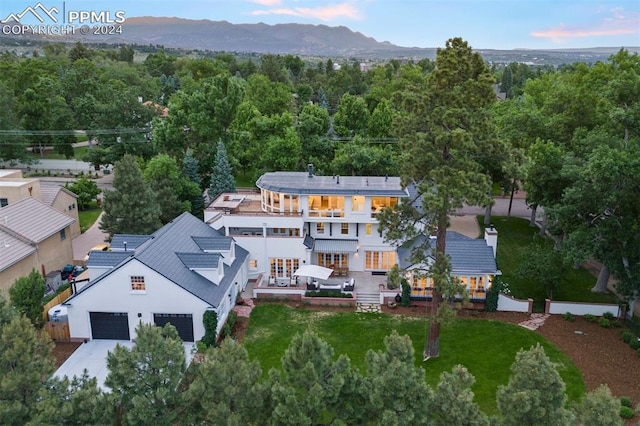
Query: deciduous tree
[[165, 180], [26, 295], [86, 189]]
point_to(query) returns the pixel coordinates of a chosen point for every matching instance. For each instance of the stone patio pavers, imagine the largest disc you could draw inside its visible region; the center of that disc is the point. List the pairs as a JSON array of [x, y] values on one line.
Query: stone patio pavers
[[535, 321]]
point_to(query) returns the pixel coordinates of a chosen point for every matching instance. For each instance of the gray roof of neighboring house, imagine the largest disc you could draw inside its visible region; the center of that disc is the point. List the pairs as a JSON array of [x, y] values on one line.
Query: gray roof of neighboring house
[[300, 183], [133, 241], [33, 219], [214, 244], [13, 248], [49, 192], [162, 253], [468, 255]]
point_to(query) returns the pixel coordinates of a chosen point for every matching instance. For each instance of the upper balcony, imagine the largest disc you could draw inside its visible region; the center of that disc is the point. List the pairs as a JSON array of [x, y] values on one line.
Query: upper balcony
[[243, 204]]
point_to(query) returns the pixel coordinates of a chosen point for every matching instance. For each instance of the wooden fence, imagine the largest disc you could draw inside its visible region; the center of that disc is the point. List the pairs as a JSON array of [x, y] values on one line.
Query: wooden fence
[[55, 301], [58, 331]]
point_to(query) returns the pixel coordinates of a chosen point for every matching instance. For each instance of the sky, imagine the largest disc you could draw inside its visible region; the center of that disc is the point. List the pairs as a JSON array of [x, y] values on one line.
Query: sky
[[484, 24]]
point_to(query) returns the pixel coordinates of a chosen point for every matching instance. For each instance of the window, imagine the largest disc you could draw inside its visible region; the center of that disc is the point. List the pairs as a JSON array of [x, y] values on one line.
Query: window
[[63, 235], [4, 202], [379, 260], [320, 227], [368, 228], [137, 283], [253, 263], [357, 203], [345, 229]]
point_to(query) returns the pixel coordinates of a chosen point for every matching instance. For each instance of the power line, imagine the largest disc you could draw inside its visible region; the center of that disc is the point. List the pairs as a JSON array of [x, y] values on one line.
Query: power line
[[22, 132]]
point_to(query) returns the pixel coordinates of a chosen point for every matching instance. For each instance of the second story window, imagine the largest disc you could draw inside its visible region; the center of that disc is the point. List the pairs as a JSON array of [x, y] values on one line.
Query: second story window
[[320, 227], [344, 229]]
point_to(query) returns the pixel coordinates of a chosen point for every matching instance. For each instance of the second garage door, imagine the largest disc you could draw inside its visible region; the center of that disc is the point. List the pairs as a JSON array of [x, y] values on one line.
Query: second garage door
[[109, 325], [183, 322]]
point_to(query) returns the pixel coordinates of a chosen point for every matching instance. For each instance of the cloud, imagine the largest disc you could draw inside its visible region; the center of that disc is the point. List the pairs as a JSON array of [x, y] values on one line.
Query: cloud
[[326, 13], [267, 2], [617, 23]]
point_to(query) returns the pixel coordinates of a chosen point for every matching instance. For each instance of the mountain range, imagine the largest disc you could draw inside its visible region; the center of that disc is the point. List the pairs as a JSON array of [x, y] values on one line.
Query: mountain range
[[297, 39]]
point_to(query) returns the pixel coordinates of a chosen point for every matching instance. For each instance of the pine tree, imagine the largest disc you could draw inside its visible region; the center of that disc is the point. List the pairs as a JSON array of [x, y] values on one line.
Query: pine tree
[[453, 400], [535, 394], [25, 365], [145, 378], [190, 171], [599, 408], [131, 208], [222, 175]]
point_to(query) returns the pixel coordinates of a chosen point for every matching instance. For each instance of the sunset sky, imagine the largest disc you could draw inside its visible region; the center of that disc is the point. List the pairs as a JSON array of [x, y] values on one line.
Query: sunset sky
[[498, 24]]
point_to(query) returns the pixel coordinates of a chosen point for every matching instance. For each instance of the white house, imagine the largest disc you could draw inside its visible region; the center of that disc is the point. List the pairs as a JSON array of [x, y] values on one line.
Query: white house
[[173, 275], [300, 218]]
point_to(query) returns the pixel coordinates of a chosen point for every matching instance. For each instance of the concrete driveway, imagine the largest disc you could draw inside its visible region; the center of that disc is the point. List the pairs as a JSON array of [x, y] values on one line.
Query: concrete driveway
[[92, 356]]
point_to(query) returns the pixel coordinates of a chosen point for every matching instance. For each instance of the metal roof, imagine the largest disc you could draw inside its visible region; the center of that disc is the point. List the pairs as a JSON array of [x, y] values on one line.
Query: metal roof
[[13, 249], [33, 219], [300, 183], [49, 192], [163, 252], [107, 258], [335, 246], [213, 244], [131, 240], [200, 260], [468, 255]]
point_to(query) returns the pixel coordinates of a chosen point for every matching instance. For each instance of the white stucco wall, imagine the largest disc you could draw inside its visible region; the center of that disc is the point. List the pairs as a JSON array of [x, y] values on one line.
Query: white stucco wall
[[597, 309], [114, 294]]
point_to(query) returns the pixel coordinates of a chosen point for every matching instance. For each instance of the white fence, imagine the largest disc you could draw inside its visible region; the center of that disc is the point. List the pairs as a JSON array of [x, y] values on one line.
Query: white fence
[[509, 304], [61, 165], [577, 308]]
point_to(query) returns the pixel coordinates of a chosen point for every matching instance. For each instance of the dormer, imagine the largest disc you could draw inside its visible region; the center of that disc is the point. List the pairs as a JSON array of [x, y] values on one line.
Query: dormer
[[208, 265], [225, 246]]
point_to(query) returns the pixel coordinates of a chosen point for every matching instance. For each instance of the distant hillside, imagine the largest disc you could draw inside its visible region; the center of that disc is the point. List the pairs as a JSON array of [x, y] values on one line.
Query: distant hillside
[[260, 38]]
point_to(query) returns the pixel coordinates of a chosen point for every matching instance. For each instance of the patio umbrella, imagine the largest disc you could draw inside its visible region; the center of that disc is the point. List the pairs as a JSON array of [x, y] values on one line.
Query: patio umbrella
[[314, 271]]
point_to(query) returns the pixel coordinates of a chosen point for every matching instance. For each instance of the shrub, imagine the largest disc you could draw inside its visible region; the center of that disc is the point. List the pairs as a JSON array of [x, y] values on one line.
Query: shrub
[[590, 317], [625, 401], [406, 293], [328, 293], [210, 322], [616, 323], [608, 315], [491, 302], [604, 322], [638, 352], [568, 316], [626, 413], [626, 336], [635, 344]]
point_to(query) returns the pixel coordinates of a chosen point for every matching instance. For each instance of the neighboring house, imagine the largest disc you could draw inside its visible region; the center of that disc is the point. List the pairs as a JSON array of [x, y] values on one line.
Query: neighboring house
[[63, 200], [472, 262], [300, 218], [14, 187], [173, 275], [32, 235]]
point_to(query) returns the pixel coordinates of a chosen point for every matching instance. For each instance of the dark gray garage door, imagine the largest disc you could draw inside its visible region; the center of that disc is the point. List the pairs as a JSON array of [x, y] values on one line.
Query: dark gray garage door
[[109, 325], [183, 322]]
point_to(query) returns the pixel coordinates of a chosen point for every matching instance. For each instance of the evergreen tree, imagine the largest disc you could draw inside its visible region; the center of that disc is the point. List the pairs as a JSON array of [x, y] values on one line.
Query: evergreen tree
[[314, 387], [144, 379], [26, 295], [25, 365], [76, 401], [396, 388], [222, 175], [453, 401], [131, 208], [226, 389], [535, 394], [599, 408], [190, 171], [445, 130]]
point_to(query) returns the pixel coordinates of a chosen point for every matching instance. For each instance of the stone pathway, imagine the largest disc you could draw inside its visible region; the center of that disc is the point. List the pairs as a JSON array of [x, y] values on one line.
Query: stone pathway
[[535, 321], [369, 308], [244, 310]]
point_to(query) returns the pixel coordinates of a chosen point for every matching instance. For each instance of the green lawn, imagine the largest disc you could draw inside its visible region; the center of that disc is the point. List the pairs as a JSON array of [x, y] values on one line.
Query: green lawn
[[89, 216], [514, 235], [486, 348]]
